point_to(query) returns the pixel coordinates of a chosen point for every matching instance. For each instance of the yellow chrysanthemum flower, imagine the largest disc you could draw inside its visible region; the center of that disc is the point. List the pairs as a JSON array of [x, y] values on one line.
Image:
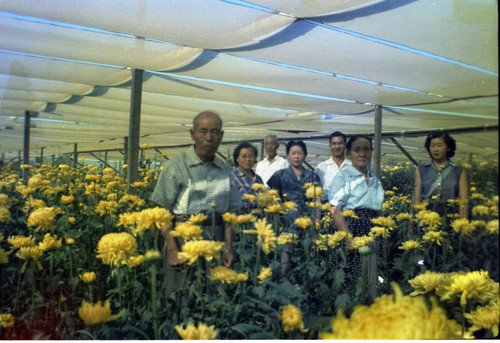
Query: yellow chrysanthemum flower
[[259, 187], [265, 273], [192, 250], [134, 261], [192, 332], [463, 226], [70, 241], [105, 207], [492, 227], [227, 275], [485, 317], [422, 206], [273, 208], [381, 231], [67, 199], [289, 206], [287, 238], [266, 236], [471, 285], [249, 197], [428, 282], [303, 222], [187, 230], [291, 317], [43, 218], [387, 222], [230, 218], [3, 257], [116, 248], [198, 218], [395, 317], [403, 216], [132, 200], [314, 192], [87, 277], [49, 243], [148, 219], [481, 210], [7, 320], [5, 216], [362, 241], [245, 218], [410, 245], [95, 314], [434, 237], [267, 198], [30, 253], [349, 214]]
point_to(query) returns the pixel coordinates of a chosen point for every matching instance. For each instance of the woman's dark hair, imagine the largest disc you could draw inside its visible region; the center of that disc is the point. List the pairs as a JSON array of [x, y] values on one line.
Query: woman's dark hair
[[290, 144], [243, 145], [450, 142], [355, 138]]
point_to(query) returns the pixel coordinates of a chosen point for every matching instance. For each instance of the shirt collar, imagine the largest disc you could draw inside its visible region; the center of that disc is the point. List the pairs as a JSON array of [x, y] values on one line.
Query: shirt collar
[[193, 159]]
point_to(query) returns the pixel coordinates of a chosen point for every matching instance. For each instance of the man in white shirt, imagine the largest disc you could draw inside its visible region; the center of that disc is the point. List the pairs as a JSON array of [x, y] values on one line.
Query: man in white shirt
[[329, 168], [272, 163]]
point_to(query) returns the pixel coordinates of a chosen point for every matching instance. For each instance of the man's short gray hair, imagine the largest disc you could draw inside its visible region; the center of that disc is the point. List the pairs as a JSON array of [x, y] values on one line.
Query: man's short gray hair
[[273, 136], [203, 113]]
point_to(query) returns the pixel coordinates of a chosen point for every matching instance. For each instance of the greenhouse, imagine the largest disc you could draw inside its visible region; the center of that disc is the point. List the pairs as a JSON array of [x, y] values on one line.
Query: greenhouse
[[97, 101]]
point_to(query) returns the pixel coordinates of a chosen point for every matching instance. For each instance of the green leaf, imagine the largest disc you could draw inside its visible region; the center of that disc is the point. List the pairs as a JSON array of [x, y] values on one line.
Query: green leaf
[[136, 330], [318, 323], [342, 301], [262, 335], [338, 279], [245, 329]]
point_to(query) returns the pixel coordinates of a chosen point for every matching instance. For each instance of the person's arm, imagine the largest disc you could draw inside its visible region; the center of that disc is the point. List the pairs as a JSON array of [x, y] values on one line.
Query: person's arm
[[463, 194], [340, 223], [172, 247], [229, 255]]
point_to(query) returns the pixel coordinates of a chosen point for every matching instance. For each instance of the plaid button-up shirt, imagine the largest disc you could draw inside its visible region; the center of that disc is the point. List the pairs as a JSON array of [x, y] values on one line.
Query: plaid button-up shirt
[[188, 186]]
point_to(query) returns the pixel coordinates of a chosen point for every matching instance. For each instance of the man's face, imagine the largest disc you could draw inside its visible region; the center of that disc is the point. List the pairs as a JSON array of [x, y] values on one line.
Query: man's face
[[337, 147], [270, 146], [207, 136]]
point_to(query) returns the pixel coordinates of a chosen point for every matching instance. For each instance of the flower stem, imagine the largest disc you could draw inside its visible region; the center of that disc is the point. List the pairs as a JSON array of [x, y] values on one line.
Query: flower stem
[[153, 299]]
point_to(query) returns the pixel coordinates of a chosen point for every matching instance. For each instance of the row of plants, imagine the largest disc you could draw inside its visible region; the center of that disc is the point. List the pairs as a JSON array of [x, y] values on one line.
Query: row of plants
[[80, 258]]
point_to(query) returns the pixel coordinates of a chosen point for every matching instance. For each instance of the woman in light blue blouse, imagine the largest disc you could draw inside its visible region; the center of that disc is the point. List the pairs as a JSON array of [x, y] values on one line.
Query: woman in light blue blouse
[[356, 188]]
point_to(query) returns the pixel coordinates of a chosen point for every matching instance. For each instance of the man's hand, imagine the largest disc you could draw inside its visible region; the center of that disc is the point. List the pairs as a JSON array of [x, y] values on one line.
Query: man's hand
[[229, 258]]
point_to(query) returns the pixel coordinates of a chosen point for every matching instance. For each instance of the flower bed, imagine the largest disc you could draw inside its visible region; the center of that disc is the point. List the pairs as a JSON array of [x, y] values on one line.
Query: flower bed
[[80, 258]]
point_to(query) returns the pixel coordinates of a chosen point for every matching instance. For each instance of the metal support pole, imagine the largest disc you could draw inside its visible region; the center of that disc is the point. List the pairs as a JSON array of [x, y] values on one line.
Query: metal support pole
[[134, 128], [125, 150], [377, 142], [75, 155], [27, 125], [404, 151]]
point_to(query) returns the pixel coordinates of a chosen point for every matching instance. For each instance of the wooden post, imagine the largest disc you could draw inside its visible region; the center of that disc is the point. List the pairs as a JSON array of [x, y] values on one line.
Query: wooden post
[[377, 144], [134, 128], [41, 155], [26, 147]]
